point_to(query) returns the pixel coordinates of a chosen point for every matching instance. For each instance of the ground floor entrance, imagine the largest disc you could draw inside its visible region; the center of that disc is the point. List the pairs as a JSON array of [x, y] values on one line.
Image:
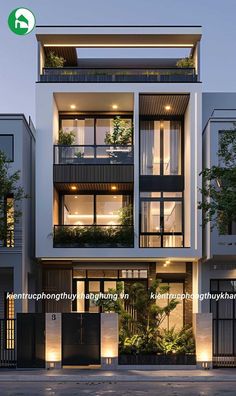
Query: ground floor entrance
[[80, 339]]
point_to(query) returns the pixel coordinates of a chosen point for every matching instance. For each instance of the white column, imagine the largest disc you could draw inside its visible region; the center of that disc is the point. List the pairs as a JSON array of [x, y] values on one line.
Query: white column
[[136, 169], [202, 326], [109, 340], [53, 340]]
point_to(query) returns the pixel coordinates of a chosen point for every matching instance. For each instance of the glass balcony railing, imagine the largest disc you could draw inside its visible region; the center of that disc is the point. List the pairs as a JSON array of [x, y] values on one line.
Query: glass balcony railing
[[93, 236], [101, 154], [121, 75]]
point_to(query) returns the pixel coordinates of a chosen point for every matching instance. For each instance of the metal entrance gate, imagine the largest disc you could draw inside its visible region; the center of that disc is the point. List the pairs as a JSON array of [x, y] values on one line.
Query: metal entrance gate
[[224, 323], [80, 339], [7, 343], [30, 340]]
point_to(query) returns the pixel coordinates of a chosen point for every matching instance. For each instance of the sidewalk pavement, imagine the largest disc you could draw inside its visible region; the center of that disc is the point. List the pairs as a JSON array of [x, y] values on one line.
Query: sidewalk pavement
[[92, 376]]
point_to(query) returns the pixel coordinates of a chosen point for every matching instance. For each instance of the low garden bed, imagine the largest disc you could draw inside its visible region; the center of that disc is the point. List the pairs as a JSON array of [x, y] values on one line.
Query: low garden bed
[[157, 359]]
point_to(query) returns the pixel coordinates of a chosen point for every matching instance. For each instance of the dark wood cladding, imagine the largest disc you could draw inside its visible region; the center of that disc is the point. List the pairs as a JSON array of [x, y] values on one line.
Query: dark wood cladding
[[161, 183], [93, 174], [57, 281]]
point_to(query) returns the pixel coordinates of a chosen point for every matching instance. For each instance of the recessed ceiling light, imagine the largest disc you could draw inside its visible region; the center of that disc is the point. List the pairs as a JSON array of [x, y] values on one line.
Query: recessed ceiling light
[[76, 196], [76, 213], [73, 188], [114, 106], [167, 107], [113, 187], [114, 196], [73, 106]]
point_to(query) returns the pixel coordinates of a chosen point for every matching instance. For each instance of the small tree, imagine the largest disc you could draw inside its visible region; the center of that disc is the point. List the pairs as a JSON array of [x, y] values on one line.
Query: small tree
[[121, 134], [53, 60], [10, 211], [219, 185], [66, 138], [185, 62]]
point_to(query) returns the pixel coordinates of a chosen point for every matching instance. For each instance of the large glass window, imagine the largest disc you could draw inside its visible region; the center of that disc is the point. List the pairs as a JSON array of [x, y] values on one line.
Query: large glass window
[[161, 220], [83, 209], [160, 147], [6, 146], [90, 131]]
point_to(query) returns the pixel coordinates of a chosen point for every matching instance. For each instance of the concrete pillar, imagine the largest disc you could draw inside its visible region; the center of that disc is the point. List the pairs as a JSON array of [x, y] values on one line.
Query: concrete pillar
[[53, 340], [109, 340], [202, 326]]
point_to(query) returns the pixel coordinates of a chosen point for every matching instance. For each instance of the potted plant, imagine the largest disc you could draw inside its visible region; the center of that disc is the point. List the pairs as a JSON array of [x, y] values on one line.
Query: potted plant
[[121, 135], [65, 140], [55, 61], [186, 62]]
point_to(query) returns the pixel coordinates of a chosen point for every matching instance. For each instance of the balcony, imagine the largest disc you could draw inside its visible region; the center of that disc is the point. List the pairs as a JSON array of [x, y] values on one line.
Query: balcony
[[119, 75], [93, 236], [93, 155]]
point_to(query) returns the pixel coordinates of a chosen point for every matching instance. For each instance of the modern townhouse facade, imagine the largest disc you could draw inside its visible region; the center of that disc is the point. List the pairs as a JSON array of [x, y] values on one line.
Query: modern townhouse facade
[[119, 153], [108, 211], [17, 142], [219, 251]]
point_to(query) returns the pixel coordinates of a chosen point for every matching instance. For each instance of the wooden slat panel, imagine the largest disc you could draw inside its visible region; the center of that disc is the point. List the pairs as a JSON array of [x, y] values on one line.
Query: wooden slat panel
[[57, 281], [154, 105], [93, 174]]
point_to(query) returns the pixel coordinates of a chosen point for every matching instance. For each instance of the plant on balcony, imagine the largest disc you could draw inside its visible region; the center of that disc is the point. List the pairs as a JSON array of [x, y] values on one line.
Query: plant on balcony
[[219, 186], [66, 138], [53, 60], [79, 154], [121, 134], [186, 62], [10, 211]]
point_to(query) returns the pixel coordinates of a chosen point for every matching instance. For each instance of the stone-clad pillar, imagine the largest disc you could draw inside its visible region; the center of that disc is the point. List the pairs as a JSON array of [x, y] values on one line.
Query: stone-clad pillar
[[53, 340], [109, 340], [202, 326]]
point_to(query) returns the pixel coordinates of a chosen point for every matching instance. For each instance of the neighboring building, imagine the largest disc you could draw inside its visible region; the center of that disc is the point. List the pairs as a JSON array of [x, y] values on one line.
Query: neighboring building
[[17, 141], [219, 251]]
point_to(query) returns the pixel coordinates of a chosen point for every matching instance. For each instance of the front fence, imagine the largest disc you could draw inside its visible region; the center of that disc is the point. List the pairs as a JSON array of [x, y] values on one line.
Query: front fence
[[7, 343]]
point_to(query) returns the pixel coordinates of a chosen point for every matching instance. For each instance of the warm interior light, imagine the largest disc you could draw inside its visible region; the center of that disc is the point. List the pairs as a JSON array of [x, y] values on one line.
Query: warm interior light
[[76, 196], [113, 187], [114, 196], [167, 262], [73, 188], [72, 106], [114, 106], [122, 45], [167, 107]]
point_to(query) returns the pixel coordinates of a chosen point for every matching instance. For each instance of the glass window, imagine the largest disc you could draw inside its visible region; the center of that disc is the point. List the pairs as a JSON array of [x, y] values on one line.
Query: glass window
[[172, 216], [172, 194], [83, 129], [172, 148], [150, 216], [78, 209], [6, 146], [162, 216], [103, 126], [160, 147], [10, 221], [107, 209]]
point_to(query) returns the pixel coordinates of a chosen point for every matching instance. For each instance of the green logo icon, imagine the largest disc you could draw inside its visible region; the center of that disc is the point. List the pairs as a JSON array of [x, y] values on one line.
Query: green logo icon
[[21, 21]]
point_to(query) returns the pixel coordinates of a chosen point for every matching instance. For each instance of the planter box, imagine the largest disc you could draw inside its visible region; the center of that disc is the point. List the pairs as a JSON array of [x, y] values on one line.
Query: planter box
[[157, 359]]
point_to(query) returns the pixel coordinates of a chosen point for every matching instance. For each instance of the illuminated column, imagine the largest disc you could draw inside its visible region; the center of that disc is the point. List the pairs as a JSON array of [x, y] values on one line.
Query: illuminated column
[[202, 326], [109, 340], [53, 340]]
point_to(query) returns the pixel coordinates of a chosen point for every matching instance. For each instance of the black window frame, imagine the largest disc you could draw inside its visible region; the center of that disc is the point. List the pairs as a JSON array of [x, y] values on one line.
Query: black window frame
[[95, 117], [95, 194], [162, 234], [12, 146], [161, 118]]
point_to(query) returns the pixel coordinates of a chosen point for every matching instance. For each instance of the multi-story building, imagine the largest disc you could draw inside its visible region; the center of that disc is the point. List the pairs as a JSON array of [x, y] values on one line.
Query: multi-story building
[[219, 251], [109, 210], [17, 141]]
